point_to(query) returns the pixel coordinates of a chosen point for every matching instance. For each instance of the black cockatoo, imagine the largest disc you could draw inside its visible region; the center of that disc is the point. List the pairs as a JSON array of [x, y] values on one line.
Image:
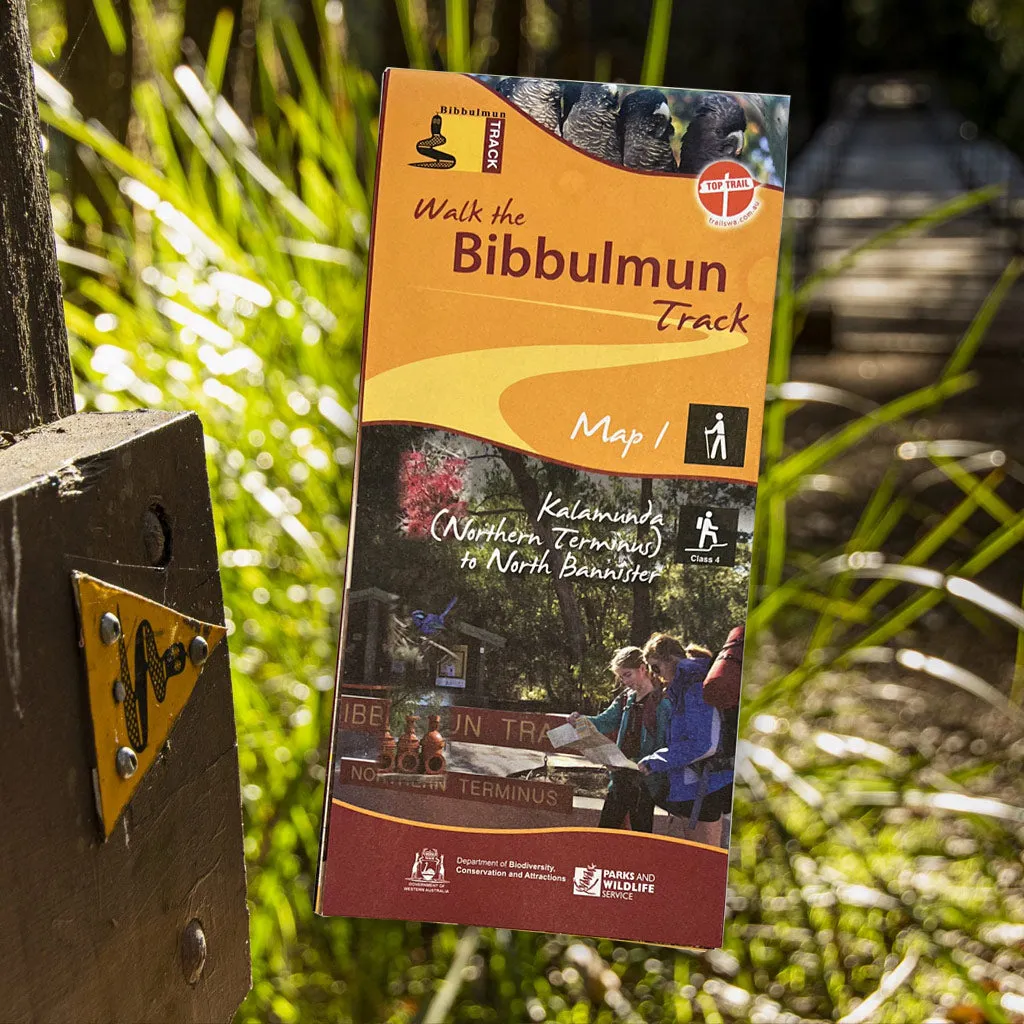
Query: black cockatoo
[[715, 133], [537, 97], [593, 125], [647, 131], [570, 94]]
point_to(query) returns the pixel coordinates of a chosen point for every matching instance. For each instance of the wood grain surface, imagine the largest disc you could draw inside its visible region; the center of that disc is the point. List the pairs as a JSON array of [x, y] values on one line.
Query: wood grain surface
[[35, 371], [93, 930]]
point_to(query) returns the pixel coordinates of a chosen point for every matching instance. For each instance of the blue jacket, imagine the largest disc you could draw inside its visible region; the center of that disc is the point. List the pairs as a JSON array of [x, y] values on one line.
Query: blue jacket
[[615, 719], [694, 733]]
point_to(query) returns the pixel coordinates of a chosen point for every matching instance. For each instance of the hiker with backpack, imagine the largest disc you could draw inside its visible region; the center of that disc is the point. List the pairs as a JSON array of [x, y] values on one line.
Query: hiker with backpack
[[699, 754], [638, 718]]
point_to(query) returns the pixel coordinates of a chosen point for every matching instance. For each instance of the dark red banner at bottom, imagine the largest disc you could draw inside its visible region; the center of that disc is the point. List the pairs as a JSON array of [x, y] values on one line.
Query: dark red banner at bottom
[[602, 882]]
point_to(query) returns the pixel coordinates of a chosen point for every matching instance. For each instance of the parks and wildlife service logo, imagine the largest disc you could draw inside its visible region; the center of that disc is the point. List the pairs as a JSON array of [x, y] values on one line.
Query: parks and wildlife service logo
[[463, 139], [726, 190], [612, 883], [587, 881], [427, 874]]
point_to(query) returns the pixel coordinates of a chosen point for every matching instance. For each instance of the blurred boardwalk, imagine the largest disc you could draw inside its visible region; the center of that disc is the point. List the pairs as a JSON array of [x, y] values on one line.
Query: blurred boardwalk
[[892, 152], [887, 325]]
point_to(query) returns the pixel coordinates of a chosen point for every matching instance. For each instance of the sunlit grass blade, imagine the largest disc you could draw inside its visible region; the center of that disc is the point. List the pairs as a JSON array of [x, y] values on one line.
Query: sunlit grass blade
[[152, 106], [998, 543], [1017, 689], [969, 344], [456, 27], [957, 675], [785, 475], [936, 538], [805, 391], [219, 48], [122, 159], [413, 33], [779, 356], [439, 1010], [880, 515], [110, 25], [868, 1010], [656, 50], [157, 44], [774, 524]]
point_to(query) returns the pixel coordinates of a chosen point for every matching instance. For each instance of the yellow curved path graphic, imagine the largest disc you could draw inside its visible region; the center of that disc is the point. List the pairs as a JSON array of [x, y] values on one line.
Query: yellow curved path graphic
[[462, 391]]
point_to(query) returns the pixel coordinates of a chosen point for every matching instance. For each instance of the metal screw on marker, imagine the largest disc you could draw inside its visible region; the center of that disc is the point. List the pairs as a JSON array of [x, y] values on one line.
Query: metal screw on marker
[[193, 951], [110, 628], [127, 762], [198, 650]]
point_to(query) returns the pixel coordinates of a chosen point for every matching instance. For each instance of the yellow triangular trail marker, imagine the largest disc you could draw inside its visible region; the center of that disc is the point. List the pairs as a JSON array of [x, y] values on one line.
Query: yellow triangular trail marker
[[142, 662]]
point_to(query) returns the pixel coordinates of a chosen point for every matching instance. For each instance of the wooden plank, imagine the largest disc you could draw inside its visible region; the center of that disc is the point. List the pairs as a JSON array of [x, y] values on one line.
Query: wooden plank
[[35, 371], [94, 930], [484, 635]]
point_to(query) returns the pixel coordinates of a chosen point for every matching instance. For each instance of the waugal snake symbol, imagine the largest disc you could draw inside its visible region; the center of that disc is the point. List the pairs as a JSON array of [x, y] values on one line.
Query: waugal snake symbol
[[428, 147], [150, 666]]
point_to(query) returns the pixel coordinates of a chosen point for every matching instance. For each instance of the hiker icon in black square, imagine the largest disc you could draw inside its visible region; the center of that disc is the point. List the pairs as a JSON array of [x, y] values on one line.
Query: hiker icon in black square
[[716, 435], [716, 448], [706, 536], [708, 539]]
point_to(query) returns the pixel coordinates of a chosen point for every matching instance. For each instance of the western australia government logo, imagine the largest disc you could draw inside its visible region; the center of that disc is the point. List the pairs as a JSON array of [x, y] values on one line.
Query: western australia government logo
[[726, 190], [427, 874], [463, 139], [604, 883]]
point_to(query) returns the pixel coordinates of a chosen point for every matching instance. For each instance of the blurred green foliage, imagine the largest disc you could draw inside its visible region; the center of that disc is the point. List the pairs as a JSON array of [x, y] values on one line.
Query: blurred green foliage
[[876, 871]]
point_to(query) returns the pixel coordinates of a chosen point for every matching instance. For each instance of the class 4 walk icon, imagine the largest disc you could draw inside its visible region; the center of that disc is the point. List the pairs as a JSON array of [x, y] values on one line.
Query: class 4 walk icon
[[707, 534]]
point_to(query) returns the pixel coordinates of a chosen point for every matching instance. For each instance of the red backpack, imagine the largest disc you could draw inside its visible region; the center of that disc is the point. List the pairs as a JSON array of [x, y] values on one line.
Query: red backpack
[[722, 683]]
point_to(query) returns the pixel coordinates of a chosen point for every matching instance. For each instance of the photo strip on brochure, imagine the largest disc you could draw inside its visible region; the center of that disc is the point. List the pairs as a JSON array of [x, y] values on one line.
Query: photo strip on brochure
[[561, 401]]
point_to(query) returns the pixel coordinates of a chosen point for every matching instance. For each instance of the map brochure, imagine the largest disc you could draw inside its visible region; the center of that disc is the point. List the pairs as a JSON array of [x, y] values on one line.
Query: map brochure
[[569, 307]]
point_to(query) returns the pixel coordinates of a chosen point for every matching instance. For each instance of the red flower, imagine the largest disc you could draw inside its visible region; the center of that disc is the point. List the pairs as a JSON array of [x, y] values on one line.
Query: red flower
[[426, 487]]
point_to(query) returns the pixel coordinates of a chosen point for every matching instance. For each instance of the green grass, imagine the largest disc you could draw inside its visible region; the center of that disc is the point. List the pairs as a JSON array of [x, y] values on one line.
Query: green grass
[[227, 277]]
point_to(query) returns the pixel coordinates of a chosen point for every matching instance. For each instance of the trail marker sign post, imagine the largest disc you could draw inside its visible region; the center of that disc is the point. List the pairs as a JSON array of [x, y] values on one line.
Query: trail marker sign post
[[130, 908]]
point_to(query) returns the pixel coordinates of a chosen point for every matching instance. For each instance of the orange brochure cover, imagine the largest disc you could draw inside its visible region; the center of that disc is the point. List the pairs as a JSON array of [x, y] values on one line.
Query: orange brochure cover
[[566, 343]]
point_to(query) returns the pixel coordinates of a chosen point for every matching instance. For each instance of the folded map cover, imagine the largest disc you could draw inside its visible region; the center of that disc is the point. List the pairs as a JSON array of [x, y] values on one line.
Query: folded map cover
[[566, 343]]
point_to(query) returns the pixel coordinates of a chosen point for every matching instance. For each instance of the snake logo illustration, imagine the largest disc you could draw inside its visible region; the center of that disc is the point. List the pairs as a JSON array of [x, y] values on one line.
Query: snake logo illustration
[[150, 666], [438, 159]]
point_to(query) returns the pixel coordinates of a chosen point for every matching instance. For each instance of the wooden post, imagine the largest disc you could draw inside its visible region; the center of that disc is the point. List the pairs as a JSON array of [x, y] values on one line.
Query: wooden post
[[151, 924], [35, 372]]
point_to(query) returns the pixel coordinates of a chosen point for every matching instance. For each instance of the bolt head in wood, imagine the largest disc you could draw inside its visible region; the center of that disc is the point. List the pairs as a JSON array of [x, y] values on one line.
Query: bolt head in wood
[[119, 693], [198, 650], [110, 628], [127, 762], [193, 951]]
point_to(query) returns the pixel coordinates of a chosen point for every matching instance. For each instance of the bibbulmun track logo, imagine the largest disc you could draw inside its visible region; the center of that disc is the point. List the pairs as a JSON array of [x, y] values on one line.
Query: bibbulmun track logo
[[437, 159], [463, 139]]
